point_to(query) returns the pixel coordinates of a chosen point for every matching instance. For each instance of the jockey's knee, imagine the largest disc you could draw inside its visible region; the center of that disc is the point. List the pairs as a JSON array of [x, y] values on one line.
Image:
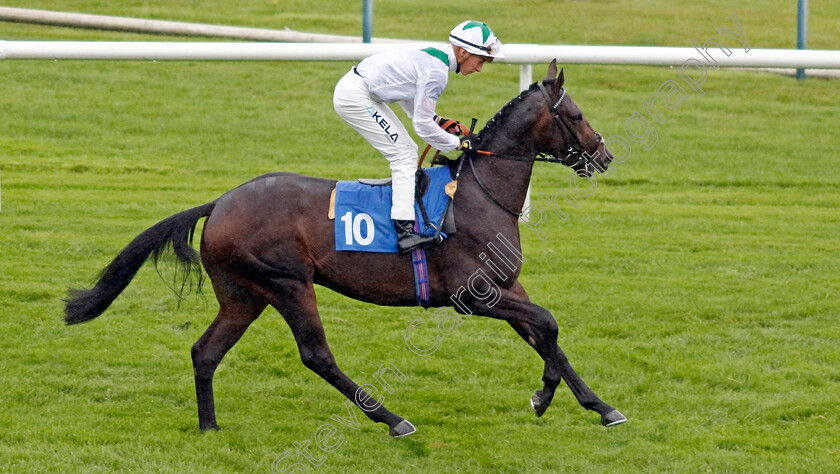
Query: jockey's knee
[[402, 158]]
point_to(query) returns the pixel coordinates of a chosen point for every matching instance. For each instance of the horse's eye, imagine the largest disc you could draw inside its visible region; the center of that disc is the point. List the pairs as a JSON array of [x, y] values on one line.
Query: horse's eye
[[577, 117]]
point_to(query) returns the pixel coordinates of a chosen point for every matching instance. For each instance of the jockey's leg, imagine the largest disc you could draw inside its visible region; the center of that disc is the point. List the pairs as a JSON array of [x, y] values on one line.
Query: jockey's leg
[[402, 209], [403, 167], [381, 127]]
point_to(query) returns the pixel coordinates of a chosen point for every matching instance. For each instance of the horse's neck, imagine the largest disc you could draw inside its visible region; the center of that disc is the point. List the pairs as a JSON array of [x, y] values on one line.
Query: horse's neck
[[507, 179]]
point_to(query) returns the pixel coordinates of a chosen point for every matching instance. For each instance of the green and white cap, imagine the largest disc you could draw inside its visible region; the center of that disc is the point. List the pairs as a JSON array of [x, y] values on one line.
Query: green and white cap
[[477, 38]]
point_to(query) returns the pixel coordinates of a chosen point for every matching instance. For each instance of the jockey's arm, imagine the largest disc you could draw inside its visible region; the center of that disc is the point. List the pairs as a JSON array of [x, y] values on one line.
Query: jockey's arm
[[422, 116]]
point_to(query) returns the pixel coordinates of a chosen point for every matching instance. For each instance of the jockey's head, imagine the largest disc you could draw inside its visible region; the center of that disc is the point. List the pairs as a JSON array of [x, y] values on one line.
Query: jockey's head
[[474, 44]]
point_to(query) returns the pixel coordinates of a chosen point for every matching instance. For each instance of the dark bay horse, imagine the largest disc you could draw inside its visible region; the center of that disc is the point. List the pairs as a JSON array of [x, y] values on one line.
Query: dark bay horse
[[269, 241]]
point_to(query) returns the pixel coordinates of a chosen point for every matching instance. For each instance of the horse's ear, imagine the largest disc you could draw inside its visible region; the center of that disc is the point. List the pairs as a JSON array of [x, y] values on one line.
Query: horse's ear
[[561, 79], [552, 71]]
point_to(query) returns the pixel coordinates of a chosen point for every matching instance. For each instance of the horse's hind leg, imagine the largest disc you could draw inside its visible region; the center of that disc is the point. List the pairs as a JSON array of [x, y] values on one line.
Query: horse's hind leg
[[296, 302], [233, 319]]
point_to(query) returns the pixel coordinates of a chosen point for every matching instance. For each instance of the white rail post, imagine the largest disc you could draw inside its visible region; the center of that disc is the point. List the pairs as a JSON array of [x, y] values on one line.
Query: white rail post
[[525, 74]]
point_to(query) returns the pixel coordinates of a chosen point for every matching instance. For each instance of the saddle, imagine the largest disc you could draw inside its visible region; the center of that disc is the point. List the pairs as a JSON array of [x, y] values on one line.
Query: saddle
[[370, 201], [421, 187]]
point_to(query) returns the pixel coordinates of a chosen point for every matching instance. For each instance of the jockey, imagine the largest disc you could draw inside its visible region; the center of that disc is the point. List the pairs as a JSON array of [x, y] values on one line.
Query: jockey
[[414, 77]]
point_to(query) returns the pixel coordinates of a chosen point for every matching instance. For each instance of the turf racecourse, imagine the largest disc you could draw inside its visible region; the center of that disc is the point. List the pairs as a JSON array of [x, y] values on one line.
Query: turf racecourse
[[696, 287]]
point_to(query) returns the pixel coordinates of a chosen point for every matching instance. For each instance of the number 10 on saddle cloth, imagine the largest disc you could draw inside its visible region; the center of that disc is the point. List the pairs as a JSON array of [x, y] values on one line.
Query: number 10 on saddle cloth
[[363, 213]]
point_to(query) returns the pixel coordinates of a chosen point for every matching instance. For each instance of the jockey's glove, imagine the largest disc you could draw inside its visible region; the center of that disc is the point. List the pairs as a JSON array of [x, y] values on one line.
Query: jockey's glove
[[454, 126]]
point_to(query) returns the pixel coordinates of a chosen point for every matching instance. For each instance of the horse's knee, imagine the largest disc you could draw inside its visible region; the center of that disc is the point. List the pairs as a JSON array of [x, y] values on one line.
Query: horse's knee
[[545, 324], [318, 360], [204, 364]]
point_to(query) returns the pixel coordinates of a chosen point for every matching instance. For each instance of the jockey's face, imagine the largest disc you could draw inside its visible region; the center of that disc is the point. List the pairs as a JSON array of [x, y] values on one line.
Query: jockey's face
[[469, 62]]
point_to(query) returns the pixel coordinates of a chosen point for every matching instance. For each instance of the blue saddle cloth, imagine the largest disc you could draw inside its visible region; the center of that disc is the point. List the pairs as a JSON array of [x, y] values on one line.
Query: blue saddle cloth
[[363, 213]]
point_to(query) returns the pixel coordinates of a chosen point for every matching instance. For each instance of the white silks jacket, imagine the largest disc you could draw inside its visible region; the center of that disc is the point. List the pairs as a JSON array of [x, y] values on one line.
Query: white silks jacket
[[414, 77]]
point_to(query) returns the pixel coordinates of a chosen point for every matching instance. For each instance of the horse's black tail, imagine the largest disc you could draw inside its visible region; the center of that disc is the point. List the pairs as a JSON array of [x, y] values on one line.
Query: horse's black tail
[[175, 231]]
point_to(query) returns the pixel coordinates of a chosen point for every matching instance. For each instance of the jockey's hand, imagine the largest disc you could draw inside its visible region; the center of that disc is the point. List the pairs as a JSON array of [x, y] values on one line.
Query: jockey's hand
[[466, 143], [454, 126]]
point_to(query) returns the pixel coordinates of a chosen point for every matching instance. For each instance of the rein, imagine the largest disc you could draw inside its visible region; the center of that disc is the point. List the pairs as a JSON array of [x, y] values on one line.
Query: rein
[[574, 154]]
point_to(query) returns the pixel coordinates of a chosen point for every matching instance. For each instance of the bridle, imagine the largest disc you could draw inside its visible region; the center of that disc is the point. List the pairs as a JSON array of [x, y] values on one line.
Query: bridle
[[574, 154], [576, 157]]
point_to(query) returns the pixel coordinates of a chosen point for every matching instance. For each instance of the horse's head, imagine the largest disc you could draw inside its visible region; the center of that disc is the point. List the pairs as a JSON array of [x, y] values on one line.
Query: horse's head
[[562, 132]]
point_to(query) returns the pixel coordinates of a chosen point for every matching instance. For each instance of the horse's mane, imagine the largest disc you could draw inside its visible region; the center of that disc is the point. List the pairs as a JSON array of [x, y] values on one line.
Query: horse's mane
[[498, 120]]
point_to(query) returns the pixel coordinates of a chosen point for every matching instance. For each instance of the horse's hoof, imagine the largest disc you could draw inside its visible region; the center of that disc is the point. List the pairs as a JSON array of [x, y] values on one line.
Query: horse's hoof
[[539, 404], [213, 427], [613, 418], [403, 428]]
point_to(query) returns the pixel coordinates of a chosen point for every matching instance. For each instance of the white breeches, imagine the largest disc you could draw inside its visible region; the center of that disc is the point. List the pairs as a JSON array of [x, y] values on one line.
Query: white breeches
[[378, 124]]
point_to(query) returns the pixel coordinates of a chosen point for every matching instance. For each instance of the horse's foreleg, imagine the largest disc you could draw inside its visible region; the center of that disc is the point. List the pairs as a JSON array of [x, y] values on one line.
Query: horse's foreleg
[[557, 366], [538, 327], [223, 333], [551, 373], [296, 302]]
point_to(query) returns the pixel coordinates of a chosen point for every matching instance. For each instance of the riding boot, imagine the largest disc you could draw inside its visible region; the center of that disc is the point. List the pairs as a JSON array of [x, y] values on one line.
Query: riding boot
[[408, 239]]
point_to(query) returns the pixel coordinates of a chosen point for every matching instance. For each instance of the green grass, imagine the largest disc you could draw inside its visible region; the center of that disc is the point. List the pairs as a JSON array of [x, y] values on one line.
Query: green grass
[[696, 289]]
